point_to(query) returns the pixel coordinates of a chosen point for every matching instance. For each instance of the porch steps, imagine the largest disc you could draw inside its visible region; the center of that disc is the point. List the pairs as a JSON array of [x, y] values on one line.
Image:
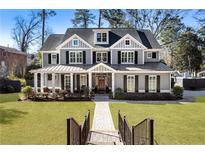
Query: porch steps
[[98, 137]]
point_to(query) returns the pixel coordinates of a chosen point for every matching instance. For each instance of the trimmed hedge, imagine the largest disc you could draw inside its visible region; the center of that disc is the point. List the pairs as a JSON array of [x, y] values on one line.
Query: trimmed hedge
[[10, 86], [147, 96]]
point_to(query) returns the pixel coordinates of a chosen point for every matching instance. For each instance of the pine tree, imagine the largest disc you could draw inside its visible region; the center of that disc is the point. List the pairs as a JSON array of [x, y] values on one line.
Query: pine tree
[[83, 18]]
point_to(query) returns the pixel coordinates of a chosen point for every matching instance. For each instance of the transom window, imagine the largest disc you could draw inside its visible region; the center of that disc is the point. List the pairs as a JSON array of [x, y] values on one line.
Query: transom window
[[101, 57], [76, 57], [127, 42], [130, 83], [83, 80], [152, 83], [101, 37], [75, 42], [127, 57], [53, 58]]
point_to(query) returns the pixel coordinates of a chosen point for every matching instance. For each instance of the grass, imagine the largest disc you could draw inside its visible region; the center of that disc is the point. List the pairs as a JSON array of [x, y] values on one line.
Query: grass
[[174, 123], [37, 122]]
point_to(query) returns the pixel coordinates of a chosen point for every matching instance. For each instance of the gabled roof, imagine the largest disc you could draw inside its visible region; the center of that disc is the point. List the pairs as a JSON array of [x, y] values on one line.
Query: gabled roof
[[145, 37]]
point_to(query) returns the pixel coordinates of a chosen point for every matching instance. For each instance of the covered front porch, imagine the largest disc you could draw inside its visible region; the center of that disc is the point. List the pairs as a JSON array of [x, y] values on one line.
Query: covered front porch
[[73, 79]]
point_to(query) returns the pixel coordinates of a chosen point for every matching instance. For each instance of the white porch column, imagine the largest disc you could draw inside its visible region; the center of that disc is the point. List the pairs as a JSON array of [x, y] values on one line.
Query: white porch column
[[71, 82], [113, 84], [53, 82], [59, 79], [90, 80], [42, 81], [36, 82], [46, 79]]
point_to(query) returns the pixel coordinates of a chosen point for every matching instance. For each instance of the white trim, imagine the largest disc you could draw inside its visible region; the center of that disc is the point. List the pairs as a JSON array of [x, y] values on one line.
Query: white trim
[[155, 83], [141, 91], [83, 75], [143, 58], [127, 57], [77, 41], [148, 57], [69, 39], [75, 57], [165, 91], [52, 60], [101, 64], [133, 76], [42, 61], [127, 39], [51, 51], [131, 38], [101, 53], [91, 57], [110, 56]]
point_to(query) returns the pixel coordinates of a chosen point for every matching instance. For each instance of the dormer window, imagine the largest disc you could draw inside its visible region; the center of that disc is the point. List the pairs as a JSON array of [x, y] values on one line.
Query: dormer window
[[101, 36], [75, 42], [127, 42]]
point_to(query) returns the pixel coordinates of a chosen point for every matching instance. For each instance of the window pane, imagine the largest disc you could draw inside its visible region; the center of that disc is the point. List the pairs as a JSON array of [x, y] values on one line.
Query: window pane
[[98, 57], [130, 84], [104, 37], [104, 57], [83, 80], [98, 37], [127, 42], [154, 55]]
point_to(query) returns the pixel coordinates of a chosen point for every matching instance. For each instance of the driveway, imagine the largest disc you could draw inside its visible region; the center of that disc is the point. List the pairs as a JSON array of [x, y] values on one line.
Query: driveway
[[191, 93]]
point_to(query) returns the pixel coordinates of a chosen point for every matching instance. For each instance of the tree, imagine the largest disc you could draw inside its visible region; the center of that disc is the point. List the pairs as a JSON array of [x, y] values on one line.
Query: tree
[[26, 31], [100, 18], [44, 15], [188, 52], [83, 18], [115, 17]]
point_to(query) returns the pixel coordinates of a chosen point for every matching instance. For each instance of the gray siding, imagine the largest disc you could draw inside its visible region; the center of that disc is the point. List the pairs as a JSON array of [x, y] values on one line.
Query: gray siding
[[45, 60], [151, 59], [164, 81], [114, 55], [81, 44]]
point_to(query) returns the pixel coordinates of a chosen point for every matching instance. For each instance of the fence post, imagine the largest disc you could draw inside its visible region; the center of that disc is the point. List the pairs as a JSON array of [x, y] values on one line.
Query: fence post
[[151, 131], [80, 133], [88, 120], [124, 121], [118, 116], [68, 131], [133, 135]]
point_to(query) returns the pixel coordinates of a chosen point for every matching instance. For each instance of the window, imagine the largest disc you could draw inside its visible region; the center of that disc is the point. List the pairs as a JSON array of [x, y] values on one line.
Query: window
[[83, 80], [151, 55], [67, 82], [152, 83], [127, 42], [49, 77], [130, 83], [75, 42], [101, 57], [53, 58], [127, 57], [76, 57], [101, 37]]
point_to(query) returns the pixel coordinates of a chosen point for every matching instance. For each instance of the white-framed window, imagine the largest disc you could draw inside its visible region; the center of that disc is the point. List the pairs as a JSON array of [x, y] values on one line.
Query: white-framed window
[[67, 83], [102, 37], [101, 57], [152, 83], [83, 80], [127, 42], [75, 57], [130, 83], [151, 55], [75, 42], [127, 57], [53, 58]]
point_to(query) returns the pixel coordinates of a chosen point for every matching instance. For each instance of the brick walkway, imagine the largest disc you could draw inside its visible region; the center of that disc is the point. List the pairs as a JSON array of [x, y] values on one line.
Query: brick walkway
[[103, 130]]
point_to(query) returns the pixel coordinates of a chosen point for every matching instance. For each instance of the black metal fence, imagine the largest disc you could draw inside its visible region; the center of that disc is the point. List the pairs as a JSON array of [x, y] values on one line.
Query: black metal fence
[[77, 135], [194, 84], [140, 134]]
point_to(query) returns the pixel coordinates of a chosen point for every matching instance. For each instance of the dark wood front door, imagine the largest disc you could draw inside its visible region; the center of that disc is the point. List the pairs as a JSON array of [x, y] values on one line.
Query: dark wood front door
[[101, 84]]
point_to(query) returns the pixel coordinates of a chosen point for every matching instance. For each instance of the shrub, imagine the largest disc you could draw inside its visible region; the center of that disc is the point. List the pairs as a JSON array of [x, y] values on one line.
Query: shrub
[[27, 90], [178, 91], [92, 94], [110, 94], [118, 93], [10, 89]]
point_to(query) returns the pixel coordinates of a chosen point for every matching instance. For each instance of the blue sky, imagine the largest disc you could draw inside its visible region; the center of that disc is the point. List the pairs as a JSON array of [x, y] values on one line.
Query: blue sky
[[58, 23]]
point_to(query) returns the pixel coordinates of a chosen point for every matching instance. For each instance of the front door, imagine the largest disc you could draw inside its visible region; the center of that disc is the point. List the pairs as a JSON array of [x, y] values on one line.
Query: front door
[[101, 83]]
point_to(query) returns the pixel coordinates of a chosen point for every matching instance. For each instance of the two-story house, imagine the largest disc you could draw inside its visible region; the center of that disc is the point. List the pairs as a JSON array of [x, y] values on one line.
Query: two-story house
[[106, 58]]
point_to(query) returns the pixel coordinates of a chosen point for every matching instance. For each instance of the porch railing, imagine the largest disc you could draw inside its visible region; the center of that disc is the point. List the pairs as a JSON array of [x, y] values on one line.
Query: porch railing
[[77, 135], [140, 134]]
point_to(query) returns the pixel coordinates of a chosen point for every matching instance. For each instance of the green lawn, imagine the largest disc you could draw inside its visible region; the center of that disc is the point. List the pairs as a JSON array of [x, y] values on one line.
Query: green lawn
[[37, 122], [174, 123]]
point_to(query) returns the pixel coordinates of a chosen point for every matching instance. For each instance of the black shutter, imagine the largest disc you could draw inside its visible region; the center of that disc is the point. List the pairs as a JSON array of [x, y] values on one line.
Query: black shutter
[[136, 83], [84, 57], [62, 81], [136, 57], [108, 56], [78, 82], [119, 57], [67, 57], [94, 57], [146, 83], [125, 83], [49, 58], [87, 80], [158, 83], [57, 58]]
